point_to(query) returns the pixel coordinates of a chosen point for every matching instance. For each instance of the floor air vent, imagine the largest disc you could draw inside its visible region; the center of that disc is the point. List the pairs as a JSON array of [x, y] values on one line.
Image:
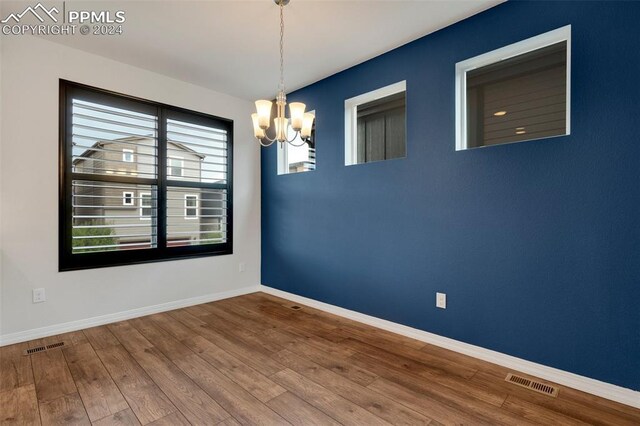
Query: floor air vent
[[55, 345], [532, 385], [43, 348]]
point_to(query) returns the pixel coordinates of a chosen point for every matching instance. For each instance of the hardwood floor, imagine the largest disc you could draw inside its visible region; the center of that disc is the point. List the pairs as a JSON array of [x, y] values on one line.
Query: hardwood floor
[[255, 360]]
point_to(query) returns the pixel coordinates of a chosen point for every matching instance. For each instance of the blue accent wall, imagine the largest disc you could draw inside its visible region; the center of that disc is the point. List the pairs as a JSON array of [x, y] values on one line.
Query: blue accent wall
[[537, 244]]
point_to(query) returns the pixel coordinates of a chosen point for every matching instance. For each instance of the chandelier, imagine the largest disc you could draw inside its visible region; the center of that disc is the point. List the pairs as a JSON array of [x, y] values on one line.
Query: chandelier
[[301, 122]]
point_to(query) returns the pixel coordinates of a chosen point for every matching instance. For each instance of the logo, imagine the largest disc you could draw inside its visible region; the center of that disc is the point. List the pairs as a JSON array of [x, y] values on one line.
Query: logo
[[71, 21], [34, 11]]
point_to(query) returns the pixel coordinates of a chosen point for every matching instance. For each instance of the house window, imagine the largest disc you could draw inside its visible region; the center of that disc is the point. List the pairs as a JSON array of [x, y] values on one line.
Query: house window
[[299, 156], [190, 206], [518, 93], [175, 166], [127, 155], [113, 149], [146, 206], [375, 125], [127, 198]]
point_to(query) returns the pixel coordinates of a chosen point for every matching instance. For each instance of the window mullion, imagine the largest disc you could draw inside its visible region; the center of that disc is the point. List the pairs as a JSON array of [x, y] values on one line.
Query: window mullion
[[112, 178], [162, 182], [194, 184]]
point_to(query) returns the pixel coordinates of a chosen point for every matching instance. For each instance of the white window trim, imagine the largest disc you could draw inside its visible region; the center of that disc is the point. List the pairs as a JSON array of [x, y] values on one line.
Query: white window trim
[[181, 159], [351, 117], [142, 217], [197, 206], [515, 49], [126, 151], [124, 199], [283, 152]]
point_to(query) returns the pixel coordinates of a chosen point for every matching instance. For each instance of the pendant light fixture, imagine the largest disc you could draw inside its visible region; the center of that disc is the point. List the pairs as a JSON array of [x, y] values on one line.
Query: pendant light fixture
[[301, 122]]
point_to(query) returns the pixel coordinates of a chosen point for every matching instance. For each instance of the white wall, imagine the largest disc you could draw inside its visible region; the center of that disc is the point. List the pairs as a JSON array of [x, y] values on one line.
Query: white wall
[[30, 70]]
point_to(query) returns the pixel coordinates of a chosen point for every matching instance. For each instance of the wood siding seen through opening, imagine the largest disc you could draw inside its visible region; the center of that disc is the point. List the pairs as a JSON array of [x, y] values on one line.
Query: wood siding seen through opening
[[518, 99]]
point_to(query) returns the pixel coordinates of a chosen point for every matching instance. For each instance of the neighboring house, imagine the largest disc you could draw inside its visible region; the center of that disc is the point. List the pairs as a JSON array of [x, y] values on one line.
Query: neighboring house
[[112, 204], [304, 166]]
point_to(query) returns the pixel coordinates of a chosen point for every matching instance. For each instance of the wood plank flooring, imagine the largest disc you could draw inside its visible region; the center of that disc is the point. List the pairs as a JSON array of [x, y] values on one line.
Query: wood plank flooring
[[254, 360]]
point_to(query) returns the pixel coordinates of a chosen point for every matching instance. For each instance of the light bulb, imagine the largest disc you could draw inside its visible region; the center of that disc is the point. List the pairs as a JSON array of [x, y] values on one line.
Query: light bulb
[[281, 124], [263, 109], [307, 124], [257, 131], [296, 111]]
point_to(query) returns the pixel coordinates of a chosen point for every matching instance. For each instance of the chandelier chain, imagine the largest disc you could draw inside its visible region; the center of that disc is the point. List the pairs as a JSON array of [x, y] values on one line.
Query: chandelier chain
[[282, 45], [299, 120]]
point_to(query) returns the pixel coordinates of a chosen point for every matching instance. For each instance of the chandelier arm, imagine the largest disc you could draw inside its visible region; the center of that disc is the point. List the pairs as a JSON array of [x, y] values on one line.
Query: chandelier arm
[[271, 141], [268, 138], [294, 138]]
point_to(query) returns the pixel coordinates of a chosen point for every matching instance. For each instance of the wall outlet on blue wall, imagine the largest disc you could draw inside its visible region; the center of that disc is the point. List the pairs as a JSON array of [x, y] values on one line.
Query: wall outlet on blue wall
[[441, 300]]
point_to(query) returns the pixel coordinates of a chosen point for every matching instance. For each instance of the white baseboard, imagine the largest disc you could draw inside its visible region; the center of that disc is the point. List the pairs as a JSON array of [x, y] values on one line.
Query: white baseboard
[[52, 330], [575, 381]]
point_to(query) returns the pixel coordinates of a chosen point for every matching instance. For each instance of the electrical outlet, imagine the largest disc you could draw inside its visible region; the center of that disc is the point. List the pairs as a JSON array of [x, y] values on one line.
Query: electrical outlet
[[242, 266], [39, 295], [441, 300]]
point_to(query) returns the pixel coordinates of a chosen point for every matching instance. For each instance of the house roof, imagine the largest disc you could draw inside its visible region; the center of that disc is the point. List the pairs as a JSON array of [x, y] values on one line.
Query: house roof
[[89, 152]]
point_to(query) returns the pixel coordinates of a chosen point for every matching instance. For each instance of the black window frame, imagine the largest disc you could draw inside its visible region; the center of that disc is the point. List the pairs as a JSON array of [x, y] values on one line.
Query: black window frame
[[164, 112]]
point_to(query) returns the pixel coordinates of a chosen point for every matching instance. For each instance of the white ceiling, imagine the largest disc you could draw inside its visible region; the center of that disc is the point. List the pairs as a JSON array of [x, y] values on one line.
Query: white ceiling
[[232, 46]]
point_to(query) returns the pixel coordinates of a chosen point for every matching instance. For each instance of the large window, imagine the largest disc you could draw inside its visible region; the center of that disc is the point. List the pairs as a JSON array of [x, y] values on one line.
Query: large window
[[140, 181], [375, 125], [517, 93]]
